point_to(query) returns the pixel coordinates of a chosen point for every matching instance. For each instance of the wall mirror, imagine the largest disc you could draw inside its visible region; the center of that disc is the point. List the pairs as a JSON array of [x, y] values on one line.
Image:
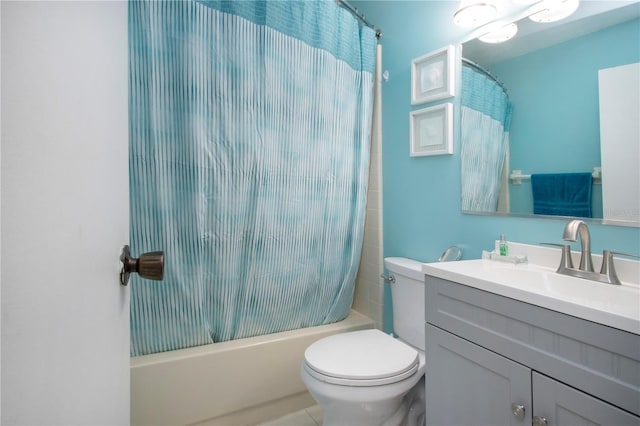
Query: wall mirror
[[551, 76]]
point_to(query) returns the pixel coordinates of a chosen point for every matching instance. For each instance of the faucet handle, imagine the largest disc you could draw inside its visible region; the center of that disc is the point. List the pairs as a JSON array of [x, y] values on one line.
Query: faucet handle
[[619, 253], [608, 267], [565, 261]]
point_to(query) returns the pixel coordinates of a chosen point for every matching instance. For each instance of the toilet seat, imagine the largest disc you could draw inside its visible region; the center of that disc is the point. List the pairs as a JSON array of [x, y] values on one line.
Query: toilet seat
[[361, 358]]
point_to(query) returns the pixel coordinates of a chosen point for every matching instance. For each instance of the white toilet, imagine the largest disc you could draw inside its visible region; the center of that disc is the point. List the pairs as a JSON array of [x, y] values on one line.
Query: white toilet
[[367, 378]]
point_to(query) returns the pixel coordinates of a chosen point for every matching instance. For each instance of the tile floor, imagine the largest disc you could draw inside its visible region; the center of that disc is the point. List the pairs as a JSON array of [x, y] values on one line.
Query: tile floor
[[311, 416]]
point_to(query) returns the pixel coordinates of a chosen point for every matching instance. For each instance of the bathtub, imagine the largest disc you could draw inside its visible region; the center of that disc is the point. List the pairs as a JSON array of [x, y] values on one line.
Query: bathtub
[[241, 382]]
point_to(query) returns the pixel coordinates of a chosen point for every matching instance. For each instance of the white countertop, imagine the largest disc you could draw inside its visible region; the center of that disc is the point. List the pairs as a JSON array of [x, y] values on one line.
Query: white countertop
[[616, 306]]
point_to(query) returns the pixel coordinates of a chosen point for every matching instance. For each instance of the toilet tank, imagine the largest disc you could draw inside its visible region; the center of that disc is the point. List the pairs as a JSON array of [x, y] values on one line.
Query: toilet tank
[[407, 296]]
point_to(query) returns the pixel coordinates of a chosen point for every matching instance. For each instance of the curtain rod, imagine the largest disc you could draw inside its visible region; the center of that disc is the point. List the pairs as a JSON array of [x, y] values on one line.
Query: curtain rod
[[484, 71], [354, 11]]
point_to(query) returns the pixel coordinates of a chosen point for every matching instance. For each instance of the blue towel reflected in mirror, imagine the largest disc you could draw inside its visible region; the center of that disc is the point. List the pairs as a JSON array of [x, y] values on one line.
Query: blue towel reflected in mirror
[[562, 194]]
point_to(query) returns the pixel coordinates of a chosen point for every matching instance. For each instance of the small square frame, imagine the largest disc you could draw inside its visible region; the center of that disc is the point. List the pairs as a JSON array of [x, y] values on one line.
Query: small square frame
[[431, 130], [432, 76]]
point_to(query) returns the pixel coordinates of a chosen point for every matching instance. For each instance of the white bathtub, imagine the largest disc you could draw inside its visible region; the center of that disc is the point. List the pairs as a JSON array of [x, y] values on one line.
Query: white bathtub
[[241, 382]]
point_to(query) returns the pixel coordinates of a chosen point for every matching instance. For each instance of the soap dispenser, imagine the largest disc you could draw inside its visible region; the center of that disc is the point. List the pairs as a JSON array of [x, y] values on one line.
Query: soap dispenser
[[503, 246]]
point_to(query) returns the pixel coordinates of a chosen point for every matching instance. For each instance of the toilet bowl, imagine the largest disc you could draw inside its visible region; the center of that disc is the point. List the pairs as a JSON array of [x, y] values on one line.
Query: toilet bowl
[[367, 377], [362, 377]]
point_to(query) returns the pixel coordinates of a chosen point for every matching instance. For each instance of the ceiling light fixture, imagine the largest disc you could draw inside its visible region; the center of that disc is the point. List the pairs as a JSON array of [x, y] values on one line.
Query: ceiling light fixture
[[501, 34], [555, 10], [474, 14]]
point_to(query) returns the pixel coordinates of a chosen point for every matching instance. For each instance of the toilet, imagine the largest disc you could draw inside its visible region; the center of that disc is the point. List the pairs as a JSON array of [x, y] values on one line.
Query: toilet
[[367, 377]]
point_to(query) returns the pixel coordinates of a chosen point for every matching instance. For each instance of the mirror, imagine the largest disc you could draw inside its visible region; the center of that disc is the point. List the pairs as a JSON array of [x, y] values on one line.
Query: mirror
[[550, 73]]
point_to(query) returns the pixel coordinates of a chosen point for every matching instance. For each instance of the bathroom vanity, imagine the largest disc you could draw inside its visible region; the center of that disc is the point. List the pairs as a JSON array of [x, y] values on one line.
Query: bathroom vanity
[[521, 345]]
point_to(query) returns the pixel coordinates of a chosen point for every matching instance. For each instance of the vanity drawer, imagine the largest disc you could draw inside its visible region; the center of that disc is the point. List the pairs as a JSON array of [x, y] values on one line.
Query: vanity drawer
[[597, 359]]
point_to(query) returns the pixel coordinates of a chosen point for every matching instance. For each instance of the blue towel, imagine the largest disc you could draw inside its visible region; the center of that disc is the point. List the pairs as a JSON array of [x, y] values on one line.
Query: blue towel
[[562, 194]]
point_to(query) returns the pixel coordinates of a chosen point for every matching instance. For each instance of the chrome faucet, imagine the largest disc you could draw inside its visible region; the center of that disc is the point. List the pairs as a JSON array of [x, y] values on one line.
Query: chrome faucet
[[571, 232], [607, 272]]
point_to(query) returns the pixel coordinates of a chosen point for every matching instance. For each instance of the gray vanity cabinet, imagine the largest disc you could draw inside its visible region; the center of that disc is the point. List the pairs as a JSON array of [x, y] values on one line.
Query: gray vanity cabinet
[[492, 360], [469, 385], [564, 405]]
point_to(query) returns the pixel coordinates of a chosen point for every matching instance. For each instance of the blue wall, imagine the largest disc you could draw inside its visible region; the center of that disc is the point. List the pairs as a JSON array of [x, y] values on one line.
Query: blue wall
[[566, 101], [421, 195]]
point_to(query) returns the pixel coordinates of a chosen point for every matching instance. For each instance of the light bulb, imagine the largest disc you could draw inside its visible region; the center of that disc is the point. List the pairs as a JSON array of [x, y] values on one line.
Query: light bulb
[[474, 14]]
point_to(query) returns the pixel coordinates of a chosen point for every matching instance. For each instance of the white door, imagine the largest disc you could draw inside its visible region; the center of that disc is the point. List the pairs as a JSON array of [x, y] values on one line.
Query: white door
[[65, 213]]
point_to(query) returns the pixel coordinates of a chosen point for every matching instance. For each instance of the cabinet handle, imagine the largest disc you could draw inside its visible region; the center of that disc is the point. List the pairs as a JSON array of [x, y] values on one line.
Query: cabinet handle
[[518, 410], [539, 421]]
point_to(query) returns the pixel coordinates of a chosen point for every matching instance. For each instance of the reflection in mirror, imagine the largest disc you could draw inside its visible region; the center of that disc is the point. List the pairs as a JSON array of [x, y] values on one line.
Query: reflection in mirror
[[558, 118]]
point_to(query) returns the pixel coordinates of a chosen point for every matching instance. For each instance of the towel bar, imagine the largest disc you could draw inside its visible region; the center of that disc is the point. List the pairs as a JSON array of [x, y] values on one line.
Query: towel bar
[[516, 177]]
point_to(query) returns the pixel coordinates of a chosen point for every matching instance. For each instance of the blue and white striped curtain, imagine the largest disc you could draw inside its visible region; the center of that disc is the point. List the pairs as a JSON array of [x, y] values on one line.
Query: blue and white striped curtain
[[485, 120], [249, 154]]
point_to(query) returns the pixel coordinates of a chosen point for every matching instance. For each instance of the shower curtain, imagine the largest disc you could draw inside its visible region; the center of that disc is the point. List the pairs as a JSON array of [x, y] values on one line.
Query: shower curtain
[[250, 127], [485, 120]]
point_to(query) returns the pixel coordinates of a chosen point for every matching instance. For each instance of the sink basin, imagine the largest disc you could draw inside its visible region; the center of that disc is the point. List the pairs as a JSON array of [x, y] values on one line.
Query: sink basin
[[616, 306]]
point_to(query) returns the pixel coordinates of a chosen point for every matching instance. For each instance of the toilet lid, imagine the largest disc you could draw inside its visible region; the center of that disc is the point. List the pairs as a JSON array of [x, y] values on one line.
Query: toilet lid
[[361, 358]]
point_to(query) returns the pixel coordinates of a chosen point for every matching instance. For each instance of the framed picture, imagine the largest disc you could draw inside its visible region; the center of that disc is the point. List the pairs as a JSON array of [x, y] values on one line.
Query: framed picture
[[433, 76], [431, 130]]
